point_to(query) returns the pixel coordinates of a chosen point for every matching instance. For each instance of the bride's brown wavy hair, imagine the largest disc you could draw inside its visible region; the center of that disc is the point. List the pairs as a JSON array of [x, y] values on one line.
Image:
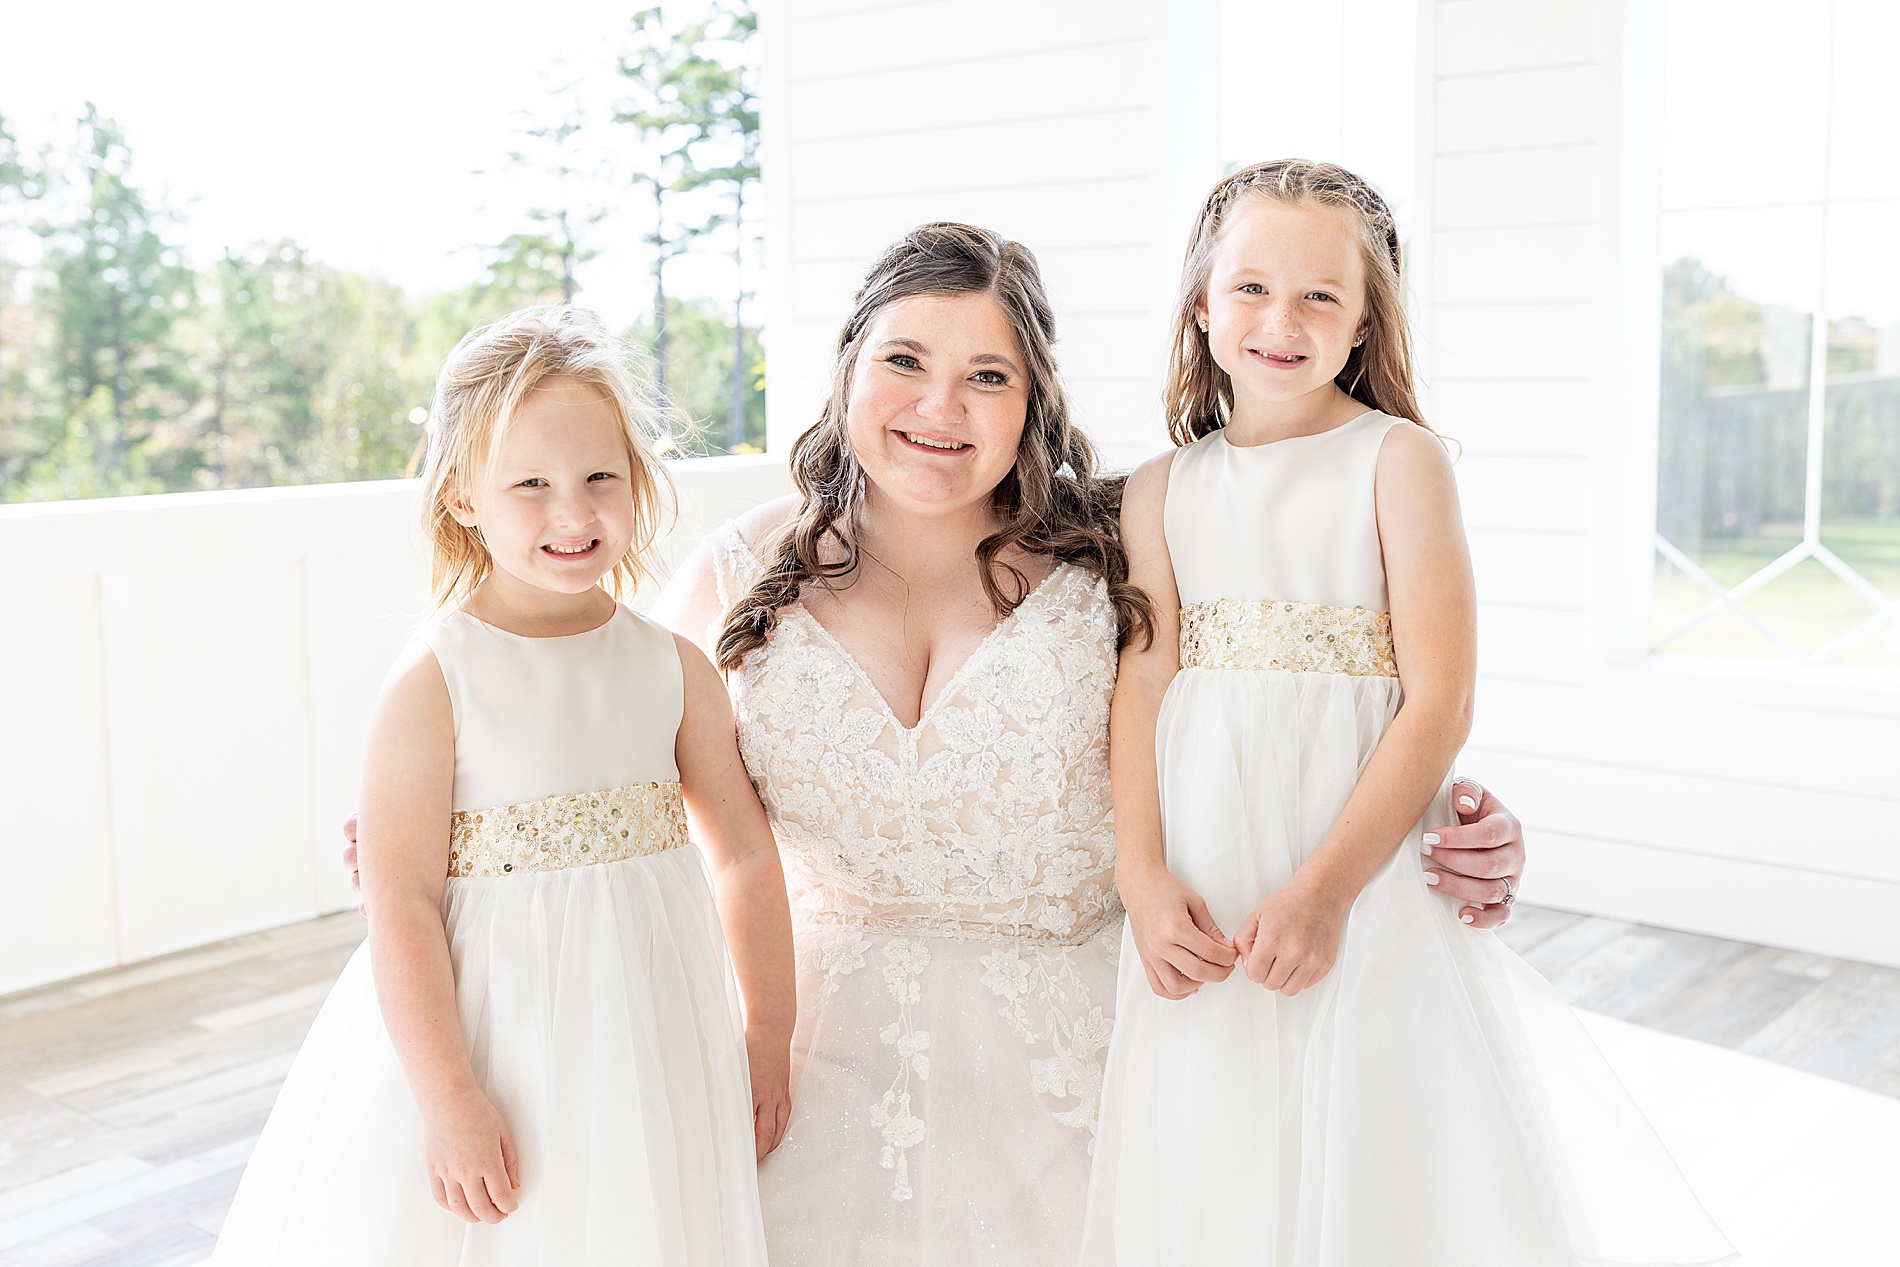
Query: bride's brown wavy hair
[[1378, 373], [1052, 502]]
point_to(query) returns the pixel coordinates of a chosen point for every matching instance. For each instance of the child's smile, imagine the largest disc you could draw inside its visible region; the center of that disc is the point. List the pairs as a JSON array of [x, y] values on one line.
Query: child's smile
[[570, 550]]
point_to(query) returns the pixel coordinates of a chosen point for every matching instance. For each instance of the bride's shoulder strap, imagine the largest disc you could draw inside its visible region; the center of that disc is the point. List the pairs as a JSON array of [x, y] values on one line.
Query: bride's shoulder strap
[[735, 568]]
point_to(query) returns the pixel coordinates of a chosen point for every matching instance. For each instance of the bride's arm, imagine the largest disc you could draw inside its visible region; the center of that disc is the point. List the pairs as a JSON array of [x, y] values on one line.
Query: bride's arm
[[689, 605]]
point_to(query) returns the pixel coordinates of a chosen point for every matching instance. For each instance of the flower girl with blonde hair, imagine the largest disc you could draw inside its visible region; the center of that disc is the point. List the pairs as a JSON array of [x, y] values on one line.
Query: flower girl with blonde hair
[[537, 1056]]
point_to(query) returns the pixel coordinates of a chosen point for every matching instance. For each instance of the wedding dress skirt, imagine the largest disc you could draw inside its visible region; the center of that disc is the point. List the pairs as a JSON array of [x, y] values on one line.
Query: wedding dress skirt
[[918, 1136]]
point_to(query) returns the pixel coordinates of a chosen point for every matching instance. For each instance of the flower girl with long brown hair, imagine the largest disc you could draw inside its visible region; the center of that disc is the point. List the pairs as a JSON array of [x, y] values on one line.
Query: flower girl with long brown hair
[[1380, 1084]]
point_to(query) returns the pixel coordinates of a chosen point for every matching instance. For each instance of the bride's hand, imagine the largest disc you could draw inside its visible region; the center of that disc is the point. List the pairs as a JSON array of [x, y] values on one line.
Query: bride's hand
[[769, 1060], [350, 863], [1291, 940], [1180, 946], [1480, 860]]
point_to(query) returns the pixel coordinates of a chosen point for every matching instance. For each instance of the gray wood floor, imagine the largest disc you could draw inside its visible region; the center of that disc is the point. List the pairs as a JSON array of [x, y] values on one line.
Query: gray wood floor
[[130, 1100]]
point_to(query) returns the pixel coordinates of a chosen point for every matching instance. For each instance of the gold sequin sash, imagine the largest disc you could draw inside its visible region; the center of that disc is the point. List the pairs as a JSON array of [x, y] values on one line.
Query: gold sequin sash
[[635, 821], [1237, 633]]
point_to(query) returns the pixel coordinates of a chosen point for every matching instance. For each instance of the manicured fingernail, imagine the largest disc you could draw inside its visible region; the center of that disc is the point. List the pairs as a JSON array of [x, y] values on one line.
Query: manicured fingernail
[[1465, 919], [1431, 877], [1465, 802], [1431, 838]]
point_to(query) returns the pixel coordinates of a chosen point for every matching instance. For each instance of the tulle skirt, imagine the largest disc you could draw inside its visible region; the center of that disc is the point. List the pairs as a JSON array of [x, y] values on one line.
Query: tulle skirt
[[1431, 1101], [944, 1100], [600, 1020]]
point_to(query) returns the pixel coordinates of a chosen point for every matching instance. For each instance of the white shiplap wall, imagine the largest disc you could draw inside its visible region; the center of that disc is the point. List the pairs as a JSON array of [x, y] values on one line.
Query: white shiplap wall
[[1753, 803], [1087, 132]]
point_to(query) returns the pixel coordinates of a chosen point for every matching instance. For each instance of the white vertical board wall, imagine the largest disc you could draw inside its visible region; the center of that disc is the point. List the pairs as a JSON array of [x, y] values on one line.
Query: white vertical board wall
[[185, 682], [1087, 132], [1743, 801]]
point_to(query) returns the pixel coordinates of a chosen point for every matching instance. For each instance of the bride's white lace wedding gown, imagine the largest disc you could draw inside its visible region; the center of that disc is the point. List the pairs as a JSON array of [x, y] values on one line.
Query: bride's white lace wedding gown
[[957, 932]]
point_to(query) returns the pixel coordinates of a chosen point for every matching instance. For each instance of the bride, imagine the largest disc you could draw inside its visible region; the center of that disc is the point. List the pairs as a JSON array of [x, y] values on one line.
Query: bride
[[921, 645]]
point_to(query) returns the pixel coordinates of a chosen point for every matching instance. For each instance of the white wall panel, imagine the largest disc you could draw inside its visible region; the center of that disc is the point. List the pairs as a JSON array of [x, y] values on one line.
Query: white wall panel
[[1548, 185], [1033, 153], [1099, 211], [1518, 491], [1717, 738], [1514, 265], [1747, 819], [209, 728], [1550, 568], [1553, 419], [1483, 36], [363, 603], [1524, 640], [1098, 77], [1092, 279], [55, 808], [1776, 904], [824, 40], [1514, 341], [1521, 109]]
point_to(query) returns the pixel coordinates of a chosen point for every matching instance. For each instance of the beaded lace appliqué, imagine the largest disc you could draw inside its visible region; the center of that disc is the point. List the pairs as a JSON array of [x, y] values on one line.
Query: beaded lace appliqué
[[989, 820], [1234, 633], [1046, 1001], [568, 831]]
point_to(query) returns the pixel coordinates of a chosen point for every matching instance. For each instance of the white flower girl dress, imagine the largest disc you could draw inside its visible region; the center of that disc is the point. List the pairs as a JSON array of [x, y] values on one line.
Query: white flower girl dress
[[1431, 1102], [592, 984]]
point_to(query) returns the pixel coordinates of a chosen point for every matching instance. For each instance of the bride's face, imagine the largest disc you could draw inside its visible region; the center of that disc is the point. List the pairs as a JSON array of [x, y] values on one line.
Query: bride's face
[[939, 394]]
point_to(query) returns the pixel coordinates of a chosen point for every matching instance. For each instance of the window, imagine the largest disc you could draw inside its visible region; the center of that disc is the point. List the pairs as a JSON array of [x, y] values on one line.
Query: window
[[234, 257], [1778, 499]]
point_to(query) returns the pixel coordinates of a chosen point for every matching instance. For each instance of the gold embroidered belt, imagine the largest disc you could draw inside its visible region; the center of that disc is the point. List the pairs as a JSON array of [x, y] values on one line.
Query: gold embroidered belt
[[1238, 633], [635, 821]]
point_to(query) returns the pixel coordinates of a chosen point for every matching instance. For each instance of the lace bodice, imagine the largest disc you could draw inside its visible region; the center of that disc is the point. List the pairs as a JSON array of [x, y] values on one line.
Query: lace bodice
[[990, 818]]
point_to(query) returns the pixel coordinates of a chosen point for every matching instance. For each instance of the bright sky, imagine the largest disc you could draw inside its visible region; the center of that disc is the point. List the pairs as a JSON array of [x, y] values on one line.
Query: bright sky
[[353, 126]]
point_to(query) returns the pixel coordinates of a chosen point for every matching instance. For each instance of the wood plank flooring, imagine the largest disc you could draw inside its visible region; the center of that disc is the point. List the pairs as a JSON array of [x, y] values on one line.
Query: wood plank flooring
[[130, 1100]]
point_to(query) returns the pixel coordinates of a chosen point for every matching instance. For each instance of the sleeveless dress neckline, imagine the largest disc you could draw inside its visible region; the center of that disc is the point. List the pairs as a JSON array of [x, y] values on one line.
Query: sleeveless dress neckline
[[492, 627], [955, 678], [1353, 421]]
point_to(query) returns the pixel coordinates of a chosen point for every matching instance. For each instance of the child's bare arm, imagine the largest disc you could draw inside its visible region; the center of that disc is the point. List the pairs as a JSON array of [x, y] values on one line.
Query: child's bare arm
[[730, 826], [1434, 633], [1178, 942], [408, 779]]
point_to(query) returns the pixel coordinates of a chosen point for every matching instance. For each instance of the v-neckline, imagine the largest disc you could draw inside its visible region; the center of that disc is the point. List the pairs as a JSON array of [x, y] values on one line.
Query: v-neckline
[[863, 676]]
